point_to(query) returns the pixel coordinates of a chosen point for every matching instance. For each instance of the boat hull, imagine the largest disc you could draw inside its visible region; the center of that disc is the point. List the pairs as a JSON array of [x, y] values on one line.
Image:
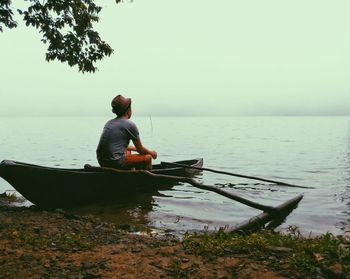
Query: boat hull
[[54, 187]]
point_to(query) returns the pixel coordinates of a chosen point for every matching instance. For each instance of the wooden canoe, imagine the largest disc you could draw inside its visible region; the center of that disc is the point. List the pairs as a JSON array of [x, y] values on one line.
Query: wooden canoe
[[58, 187]]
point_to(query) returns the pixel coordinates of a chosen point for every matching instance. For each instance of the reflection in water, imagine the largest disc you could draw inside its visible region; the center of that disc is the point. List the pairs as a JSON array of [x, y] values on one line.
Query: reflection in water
[[249, 186], [133, 211]]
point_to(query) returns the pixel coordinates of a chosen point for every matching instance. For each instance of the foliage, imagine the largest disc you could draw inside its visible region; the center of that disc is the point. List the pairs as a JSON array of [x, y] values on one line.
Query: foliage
[[290, 252], [6, 14], [179, 272], [67, 28]]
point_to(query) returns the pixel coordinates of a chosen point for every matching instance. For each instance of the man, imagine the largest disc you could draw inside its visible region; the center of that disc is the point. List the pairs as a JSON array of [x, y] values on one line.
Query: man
[[113, 149]]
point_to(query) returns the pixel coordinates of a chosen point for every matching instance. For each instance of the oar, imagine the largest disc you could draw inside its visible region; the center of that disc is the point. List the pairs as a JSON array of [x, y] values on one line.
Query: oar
[[196, 184], [255, 223], [238, 175]]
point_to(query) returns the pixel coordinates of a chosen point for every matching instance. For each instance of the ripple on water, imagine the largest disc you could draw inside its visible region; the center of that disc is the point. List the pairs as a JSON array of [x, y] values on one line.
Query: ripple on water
[[293, 149]]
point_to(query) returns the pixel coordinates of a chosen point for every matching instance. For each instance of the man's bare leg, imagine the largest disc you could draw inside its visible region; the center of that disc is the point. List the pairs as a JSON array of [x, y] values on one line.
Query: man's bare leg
[[138, 161]]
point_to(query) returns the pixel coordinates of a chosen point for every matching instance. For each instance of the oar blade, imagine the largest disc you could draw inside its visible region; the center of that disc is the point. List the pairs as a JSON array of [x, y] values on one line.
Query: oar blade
[[258, 222]]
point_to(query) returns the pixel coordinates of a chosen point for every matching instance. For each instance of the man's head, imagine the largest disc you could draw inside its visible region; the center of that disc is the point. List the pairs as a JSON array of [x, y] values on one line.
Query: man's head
[[121, 106]]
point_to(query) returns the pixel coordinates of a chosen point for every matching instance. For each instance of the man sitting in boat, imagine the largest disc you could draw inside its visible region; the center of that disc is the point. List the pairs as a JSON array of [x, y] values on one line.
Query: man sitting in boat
[[113, 150]]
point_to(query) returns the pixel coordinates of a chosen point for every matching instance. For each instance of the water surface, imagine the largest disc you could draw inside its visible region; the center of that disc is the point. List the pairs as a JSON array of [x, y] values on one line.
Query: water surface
[[310, 151]]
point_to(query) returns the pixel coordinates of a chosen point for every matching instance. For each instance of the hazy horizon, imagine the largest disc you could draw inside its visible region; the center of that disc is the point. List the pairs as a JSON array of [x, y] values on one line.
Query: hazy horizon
[[227, 58]]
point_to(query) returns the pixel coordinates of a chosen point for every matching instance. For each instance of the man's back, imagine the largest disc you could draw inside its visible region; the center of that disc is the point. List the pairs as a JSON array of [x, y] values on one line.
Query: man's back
[[115, 139]]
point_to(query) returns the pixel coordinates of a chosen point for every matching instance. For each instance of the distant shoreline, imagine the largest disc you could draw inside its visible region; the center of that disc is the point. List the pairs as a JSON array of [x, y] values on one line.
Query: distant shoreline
[[179, 116]]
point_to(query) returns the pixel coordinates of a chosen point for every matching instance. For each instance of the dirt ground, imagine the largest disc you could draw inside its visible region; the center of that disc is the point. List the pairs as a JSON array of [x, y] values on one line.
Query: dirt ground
[[56, 244]]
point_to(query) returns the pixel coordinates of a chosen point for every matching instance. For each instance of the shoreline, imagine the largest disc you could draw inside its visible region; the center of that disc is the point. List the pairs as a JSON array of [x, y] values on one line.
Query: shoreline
[[56, 244]]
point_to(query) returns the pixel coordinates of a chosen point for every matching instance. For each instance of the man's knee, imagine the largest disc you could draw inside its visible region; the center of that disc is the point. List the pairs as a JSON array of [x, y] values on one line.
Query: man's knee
[[148, 157]]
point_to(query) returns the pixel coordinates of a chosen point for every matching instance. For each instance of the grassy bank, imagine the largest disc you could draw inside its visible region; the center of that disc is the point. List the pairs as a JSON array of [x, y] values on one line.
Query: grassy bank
[[290, 254]]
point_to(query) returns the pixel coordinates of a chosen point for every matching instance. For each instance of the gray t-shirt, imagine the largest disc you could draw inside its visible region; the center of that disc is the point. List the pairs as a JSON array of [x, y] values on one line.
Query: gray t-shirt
[[115, 138]]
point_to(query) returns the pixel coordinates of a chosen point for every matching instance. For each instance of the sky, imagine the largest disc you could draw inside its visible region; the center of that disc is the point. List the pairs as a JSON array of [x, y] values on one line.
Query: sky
[[179, 58]]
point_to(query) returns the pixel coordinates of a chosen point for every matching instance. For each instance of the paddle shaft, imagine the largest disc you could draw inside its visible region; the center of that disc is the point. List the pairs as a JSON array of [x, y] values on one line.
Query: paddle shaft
[[201, 186], [237, 175]]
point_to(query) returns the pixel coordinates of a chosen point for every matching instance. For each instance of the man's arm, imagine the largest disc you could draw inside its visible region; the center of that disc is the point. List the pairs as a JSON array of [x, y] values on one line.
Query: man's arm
[[131, 148], [143, 150]]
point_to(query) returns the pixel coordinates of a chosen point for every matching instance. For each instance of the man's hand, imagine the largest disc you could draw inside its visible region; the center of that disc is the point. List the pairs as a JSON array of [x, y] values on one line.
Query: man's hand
[[153, 154], [143, 150]]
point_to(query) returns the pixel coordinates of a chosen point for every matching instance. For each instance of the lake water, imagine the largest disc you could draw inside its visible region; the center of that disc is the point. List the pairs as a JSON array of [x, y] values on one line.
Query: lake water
[[310, 151]]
